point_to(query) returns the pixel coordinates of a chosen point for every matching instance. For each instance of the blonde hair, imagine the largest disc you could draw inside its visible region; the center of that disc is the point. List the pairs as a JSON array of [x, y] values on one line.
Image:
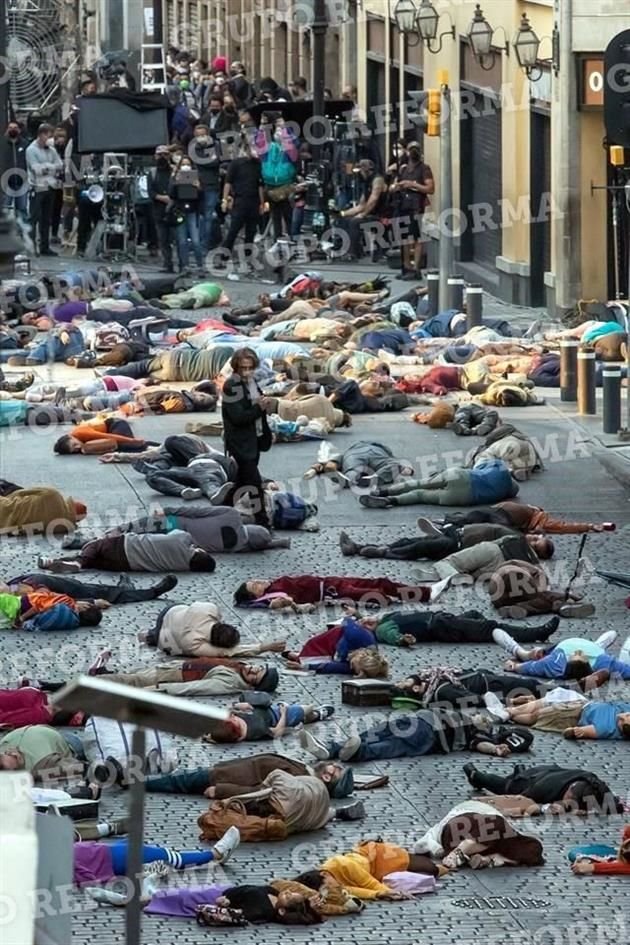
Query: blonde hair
[[369, 662]]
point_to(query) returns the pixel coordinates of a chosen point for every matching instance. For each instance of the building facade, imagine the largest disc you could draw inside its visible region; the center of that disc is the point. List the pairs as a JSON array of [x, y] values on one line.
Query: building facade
[[535, 221], [528, 156]]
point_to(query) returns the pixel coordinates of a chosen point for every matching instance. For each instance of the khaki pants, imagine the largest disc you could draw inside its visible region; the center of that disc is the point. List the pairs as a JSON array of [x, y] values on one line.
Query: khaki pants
[[149, 678]]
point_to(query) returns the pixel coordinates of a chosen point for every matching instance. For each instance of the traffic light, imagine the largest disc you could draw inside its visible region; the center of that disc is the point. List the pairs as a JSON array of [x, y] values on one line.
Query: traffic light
[[429, 111], [434, 113], [617, 90]]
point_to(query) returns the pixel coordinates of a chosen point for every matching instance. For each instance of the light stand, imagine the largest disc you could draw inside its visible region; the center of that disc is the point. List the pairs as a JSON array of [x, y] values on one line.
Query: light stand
[[319, 30], [144, 710]]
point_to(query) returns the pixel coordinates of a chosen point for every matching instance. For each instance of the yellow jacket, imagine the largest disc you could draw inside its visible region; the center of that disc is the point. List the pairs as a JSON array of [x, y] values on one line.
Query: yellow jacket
[[353, 871]]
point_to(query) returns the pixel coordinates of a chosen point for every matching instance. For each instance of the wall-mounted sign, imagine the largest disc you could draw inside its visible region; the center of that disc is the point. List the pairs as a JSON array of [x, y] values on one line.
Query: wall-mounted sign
[[592, 91]]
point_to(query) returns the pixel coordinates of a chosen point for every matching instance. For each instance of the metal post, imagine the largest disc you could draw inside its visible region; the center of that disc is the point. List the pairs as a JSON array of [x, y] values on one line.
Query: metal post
[[568, 370], [447, 253], [433, 291], [4, 83], [319, 30], [474, 306], [158, 21], [612, 399], [133, 917], [587, 402], [456, 288]]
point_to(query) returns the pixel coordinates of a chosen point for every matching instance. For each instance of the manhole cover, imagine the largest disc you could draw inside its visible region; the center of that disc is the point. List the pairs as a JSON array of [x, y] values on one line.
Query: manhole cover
[[501, 902]]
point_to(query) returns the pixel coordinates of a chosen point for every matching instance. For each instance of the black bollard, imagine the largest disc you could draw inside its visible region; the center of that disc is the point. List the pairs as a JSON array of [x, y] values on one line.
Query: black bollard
[[456, 287], [474, 306], [612, 399], [433, 295], [568, 370], [587, 402]]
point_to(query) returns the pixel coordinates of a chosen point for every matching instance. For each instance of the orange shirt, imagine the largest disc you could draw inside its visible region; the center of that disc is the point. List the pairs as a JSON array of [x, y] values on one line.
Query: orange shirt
[[42, 599], [97, 430]]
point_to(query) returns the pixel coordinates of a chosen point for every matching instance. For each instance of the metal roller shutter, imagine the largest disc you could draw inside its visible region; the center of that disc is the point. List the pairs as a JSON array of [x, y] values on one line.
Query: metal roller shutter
[[482, 180]]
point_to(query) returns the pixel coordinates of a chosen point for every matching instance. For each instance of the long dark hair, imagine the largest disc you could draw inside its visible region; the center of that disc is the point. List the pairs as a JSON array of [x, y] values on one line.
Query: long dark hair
[[241, 355]]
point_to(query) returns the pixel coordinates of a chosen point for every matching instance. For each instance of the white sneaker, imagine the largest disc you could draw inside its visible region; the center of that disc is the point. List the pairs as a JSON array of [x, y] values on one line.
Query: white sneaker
[[495, 707], [624, 656], [313, 746], [504, 640], [227, 844], [607, 639], [188, 493], [349, 748], [100, 894], [438, 589], [428, 527], [222, 493]]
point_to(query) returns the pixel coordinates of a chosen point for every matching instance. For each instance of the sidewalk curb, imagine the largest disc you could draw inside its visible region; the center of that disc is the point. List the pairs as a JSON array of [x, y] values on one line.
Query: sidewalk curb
[[608, 455], [617, 466]]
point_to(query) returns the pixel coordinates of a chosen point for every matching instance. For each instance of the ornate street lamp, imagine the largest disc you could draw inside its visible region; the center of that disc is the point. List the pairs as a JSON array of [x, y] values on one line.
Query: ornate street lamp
[[480, 36], [405, 14], [421, 24], [428, 19], [526, 46]]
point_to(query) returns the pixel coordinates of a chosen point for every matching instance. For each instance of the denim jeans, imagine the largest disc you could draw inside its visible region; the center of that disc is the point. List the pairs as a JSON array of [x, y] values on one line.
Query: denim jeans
[[404, 736], [53, 349], [210, 235], [19, 204], [76, 744], [188, 228], [295, 714]]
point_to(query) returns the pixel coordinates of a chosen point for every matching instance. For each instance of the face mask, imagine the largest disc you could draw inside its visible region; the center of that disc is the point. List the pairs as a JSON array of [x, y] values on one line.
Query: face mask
[[14, 133], [203, 139], [51, 142], [215, 111], [163, 162], [414, 155]]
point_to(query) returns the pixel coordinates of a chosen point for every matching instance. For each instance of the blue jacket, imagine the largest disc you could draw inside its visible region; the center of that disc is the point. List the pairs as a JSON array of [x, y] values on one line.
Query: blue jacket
[[492, 482], [554, 666]]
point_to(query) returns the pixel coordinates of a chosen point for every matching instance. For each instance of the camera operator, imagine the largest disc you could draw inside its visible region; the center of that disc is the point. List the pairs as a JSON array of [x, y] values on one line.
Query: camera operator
[[243, 196], [44, 167], [60, 139], [371, 207], [413, 185]]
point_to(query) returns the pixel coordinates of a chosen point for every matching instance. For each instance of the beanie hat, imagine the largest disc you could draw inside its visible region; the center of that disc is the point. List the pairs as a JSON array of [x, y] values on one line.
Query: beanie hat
[[343, 786], [219, 64], [269, 682]]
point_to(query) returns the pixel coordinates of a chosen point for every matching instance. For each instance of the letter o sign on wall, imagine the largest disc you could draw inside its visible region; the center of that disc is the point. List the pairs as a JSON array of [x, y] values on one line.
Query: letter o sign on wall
[[592, 83]]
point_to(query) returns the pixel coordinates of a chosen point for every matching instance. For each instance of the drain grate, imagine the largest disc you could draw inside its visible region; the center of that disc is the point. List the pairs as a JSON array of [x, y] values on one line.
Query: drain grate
[[495, 903]]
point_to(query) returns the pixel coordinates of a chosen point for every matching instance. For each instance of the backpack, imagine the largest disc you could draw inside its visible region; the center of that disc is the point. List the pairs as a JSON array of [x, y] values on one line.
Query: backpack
[[233, 813]]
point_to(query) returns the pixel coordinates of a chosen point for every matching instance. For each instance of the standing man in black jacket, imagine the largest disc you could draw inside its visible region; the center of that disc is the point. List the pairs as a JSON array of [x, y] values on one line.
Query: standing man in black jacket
[[203, 151], [14, 148], [245, 429], [159, 188]]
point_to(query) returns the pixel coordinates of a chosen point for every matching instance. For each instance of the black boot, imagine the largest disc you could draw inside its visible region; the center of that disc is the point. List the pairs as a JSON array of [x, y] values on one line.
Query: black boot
[[470, 770], [355, 811], [532, 634]]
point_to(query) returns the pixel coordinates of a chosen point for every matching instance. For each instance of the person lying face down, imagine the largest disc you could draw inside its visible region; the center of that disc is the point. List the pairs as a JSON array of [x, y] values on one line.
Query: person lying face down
[[173, 552], [198, 630]]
